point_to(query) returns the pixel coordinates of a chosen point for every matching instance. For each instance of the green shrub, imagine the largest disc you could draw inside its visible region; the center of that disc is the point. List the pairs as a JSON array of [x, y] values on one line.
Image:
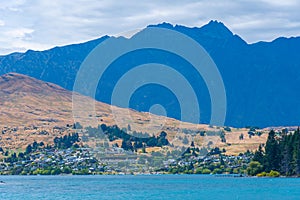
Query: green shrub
[[206, 171], [254, 168], [273, 173], [263, 174], [198, 171], [23, 173], [217, 171]]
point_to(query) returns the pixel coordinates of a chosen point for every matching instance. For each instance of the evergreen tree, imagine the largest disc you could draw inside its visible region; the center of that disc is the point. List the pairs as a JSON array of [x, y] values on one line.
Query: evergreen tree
[[28, 149], [272, 153], [259, 155], [127, 145], [286, 156], [35, 145], [192, 144], [296, 152], [281, 154]]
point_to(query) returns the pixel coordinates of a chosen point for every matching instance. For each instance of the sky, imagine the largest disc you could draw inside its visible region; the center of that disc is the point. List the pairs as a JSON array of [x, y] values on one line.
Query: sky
[[43, 24]]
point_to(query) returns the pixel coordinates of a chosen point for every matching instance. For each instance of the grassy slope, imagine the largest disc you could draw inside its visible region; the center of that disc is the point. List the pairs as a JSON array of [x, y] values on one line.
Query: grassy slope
[[27, 103]]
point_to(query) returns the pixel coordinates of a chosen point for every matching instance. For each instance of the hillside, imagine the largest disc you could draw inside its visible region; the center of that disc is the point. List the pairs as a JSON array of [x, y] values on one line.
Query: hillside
[[261, 79], [33, 110]]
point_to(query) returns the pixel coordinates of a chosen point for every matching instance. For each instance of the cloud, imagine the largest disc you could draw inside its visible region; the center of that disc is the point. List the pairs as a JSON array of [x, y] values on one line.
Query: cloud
[[2, 23], [21, 33], [42, 24]]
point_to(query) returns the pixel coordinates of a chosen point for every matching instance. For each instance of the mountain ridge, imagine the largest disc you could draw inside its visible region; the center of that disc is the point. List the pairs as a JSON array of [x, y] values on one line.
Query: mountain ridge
[[260, 78], [25, 84], [163, 24]]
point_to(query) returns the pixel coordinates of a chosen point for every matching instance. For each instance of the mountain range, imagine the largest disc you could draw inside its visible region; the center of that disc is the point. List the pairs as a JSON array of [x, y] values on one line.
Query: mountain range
[[261, 79]]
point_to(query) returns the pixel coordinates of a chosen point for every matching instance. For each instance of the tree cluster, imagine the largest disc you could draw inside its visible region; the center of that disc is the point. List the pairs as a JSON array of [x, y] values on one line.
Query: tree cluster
[[130, 142], [66, 141], [281, 154]]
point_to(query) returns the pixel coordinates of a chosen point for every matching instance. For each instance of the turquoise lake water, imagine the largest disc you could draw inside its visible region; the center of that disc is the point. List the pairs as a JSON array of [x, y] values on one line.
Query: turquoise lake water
[[147, 187]]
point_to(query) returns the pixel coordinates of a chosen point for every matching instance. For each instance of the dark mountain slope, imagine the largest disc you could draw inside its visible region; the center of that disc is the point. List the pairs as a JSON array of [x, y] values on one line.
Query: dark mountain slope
[[261, 80]]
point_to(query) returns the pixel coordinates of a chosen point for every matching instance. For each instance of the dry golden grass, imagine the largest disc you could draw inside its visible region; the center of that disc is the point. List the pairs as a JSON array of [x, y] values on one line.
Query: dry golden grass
[[152, 149], [26, 102]]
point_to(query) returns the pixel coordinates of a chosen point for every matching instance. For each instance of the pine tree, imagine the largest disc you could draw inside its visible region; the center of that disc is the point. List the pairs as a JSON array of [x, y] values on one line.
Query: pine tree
[[272, 153], [286, 158], [296, 152], [259, 155]]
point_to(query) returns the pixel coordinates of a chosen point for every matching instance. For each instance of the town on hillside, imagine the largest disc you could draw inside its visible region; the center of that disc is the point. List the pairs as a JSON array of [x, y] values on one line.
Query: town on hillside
[[106, 149]]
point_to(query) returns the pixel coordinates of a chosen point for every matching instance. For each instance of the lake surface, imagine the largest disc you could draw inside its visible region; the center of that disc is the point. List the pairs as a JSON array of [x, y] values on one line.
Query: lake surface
[[147, 187]]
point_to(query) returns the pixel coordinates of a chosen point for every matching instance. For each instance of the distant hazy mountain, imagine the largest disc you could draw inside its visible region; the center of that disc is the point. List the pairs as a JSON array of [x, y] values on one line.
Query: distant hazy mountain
[[262, 80]]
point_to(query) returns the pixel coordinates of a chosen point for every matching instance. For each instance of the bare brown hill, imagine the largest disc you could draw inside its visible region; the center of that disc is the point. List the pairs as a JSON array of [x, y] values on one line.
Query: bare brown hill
[[33, 110], [26, 101]]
